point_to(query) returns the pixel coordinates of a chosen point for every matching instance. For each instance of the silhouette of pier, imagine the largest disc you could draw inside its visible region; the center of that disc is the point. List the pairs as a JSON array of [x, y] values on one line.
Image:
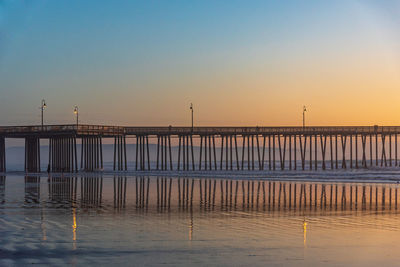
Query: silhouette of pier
[[208, 148]]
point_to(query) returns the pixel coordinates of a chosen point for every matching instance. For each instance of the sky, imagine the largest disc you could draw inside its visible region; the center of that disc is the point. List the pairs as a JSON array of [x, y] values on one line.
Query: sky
[[241, 63]]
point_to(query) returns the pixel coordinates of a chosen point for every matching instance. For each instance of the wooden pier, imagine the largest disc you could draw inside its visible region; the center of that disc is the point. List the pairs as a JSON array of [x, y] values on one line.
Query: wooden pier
[[208, 148]]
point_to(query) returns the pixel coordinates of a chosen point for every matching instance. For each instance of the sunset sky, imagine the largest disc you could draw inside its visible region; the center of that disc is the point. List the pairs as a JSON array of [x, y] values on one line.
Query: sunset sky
[[239, 62]]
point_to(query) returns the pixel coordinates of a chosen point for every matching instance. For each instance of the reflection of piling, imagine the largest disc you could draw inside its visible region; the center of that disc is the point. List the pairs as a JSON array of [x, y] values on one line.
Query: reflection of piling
[[185, 191], [296, 196], [91, 191], [142, 188], [379, 197], [32, 189], [63, 189], [323, 196], [164, 188], [233, 194], [250, 194], [119, 192]]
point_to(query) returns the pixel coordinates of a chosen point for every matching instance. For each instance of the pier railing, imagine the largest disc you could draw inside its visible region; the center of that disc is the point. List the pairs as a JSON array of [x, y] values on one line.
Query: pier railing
[[48, 130], [104, 130], [309, 130], [109, 131]]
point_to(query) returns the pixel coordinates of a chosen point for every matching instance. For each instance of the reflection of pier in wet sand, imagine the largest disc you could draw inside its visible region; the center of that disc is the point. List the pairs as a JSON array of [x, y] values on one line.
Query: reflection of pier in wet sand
[[209, 194], [168, 193], [63, 189], [91, 191], [32, 189]]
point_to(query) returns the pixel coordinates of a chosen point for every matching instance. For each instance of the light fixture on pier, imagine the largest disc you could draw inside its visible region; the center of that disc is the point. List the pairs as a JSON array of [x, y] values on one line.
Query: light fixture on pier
[[304, 116], [42, 107], [77, 115], [191, 108]]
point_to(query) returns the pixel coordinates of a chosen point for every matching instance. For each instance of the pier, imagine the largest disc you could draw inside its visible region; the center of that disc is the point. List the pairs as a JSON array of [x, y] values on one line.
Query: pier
[[207, 148]]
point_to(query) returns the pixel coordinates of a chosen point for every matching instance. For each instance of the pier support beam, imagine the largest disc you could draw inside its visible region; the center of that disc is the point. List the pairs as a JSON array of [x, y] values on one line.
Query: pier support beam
[[92, 153], [32, 154], [331, 150], [2, 154], [250, 151], [120, 162], [282, 151], [344, 139], [185, 153], [303, 150], [383, 157], [295, 152], [316, 151], [262, 163], [311, 166], [290, 151], [207, 148], [370, 150], [62, 154], [164, 150], [323, 150], [228, 141], [364, 158]]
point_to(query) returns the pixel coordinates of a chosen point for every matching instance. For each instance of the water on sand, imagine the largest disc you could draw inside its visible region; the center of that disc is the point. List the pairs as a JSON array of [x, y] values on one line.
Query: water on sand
[[179, 221]]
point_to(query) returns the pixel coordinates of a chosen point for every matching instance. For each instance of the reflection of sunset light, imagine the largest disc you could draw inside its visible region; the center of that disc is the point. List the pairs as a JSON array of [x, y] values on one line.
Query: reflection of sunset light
[[74, 227], [191, 228], [304, 232], [190, 231]]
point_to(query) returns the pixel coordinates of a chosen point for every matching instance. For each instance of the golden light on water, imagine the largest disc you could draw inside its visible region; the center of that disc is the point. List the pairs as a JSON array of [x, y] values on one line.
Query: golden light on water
[[74, 226], [305, 232], [191, 228]]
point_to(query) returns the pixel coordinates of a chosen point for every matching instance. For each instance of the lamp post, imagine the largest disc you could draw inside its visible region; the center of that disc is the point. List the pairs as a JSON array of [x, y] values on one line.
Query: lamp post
[[42, 107], [304, 116], [77, 116], [191, 108]]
